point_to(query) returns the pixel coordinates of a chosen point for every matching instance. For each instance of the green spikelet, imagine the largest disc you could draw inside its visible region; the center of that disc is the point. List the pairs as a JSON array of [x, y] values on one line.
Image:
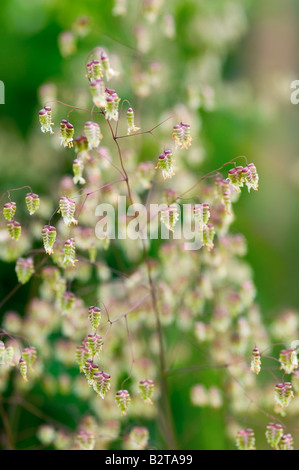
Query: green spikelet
[[123, 400], [29, 355], [24, 269], [109, 72], [283, 394], [82, 355], [208, 236], [170, 216], [32, 202], [201, 214], [255, 365], [166, 164], [146, 389], [23, 369], [66, 133], [69, 252], [94, 316], [49, 238], [287, 442], [181, 135], [130, 122], [81, 145], [98, 93], [94, 344], [89, 370], [67, 207], [101, 383], [14, 229], [94, 70], [92, 132], [78, 168], [288, 360], [274, 433], [245, 439], [45, 119], [9, 210], [9, 356]]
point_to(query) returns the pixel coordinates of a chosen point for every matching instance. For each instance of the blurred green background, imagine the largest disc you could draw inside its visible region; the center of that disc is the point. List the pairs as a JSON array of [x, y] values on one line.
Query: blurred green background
[[261, 123]]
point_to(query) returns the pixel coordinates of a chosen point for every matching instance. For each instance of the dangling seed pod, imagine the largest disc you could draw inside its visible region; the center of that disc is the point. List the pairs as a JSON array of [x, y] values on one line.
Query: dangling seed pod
[[181, 135], [169, 162], [287, 442], [239, 176], [162, 164], [82, 355], [49, 237], [123, 400], [206, 213], [111, 109], [101, 383], [69, 252], [274, 434], [9, 356], [94, 70], [67, 301], [45, 119], [81, 145], [67, 207], [14, 229], [78, 168], [201, 214], [89, 370], [66, 133], [24, 269], [253, 179], [23, 369], [9, 210], [94, 344], [283, 394], [245, 439], [98, 93], [130, 121], [62, 126], [288, 360], [109, 72], [32, 202], [227, 202], [233, 176], [255, 361], [146, 389], [208, 236], [29, 355], [69, 134], [165, 164], [170, 216], [92, 132], [94, 316]]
